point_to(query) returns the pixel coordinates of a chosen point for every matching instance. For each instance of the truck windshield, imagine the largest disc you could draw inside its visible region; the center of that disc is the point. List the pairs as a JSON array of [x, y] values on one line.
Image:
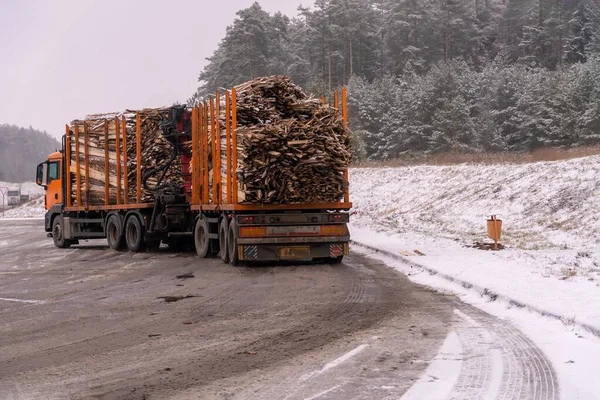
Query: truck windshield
[[53, 171]]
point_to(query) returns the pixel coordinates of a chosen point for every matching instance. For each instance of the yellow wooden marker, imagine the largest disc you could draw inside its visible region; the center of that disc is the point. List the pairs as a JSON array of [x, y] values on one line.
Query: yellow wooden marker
[[494, 226]]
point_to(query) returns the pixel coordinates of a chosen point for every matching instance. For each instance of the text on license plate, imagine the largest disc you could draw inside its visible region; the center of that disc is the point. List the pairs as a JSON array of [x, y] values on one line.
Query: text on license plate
[[289, 252]]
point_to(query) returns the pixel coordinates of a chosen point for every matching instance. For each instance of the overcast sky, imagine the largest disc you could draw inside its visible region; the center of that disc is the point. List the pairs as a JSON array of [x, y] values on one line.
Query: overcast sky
[[61, 60]]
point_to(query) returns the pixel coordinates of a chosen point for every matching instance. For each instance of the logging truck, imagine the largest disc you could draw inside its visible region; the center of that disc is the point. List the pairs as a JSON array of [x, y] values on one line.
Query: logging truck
[[203, 212]]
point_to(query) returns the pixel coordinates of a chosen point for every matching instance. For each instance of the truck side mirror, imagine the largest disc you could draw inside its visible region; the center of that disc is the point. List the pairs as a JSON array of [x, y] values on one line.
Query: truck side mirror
[[39, 176]]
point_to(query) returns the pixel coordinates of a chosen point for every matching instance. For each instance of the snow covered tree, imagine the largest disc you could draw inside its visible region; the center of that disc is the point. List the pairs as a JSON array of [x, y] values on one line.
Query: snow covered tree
[[253, 46], [404, 28], [373, 106], [449, 97]]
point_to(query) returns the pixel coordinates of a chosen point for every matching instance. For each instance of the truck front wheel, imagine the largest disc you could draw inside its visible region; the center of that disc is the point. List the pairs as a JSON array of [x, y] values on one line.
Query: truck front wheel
[[134, 236], [58, 233]]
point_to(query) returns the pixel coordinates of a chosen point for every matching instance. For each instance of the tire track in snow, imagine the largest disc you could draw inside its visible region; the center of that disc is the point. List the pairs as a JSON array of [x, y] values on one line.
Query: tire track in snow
[[495, 362], [501, 363]]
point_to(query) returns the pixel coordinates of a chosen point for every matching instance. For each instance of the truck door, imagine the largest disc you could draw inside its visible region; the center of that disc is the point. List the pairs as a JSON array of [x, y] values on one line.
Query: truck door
[[54, 184]]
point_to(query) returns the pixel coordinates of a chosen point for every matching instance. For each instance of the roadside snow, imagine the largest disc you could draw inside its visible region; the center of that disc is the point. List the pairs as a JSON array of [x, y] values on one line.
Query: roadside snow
[[551, 227], [574, 353], [32, 209], [529, 278]]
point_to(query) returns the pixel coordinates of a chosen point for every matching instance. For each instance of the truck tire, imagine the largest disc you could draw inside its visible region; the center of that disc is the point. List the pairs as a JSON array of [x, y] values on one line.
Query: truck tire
[[201, 242], [232, 243], [114, 233], [134, 234], [58, 233], [223, 233]]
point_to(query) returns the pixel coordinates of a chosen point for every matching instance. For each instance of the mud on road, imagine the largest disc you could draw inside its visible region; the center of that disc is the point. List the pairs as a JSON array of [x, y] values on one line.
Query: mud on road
[[88, 322]]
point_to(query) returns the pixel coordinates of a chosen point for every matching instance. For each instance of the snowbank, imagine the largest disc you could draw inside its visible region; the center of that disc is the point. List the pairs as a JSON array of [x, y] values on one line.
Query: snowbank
[[527, 277], [33, 208]]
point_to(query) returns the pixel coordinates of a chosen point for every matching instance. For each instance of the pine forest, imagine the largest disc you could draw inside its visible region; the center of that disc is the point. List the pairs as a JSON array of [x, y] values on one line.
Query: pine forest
[[432, 76]]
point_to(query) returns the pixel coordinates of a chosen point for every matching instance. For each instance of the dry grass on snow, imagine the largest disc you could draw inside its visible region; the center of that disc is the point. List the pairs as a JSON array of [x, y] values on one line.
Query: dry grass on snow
[[455, 158]]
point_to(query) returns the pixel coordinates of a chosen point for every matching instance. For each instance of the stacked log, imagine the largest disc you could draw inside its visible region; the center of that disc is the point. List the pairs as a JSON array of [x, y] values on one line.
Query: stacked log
[[291, 148], [96, 157], [155, 149]]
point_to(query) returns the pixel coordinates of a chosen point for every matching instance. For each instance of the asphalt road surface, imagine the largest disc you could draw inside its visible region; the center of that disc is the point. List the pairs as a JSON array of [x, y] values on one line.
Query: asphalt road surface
[[91, 323]]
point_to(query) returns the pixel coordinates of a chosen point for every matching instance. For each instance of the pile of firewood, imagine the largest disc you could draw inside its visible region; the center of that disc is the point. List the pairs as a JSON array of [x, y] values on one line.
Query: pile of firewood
[[155, 149], [291, 148]]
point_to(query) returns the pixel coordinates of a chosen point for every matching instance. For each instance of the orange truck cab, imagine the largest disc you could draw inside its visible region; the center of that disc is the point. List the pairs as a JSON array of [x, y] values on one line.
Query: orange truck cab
[[49, 175]]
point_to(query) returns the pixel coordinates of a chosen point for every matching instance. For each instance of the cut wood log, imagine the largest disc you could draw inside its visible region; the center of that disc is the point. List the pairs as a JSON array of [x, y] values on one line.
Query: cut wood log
[[155, 149], [291, 148]]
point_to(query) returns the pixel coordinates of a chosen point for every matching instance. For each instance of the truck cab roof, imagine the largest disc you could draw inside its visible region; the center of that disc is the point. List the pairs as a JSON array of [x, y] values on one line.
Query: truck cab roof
[[57, 155]]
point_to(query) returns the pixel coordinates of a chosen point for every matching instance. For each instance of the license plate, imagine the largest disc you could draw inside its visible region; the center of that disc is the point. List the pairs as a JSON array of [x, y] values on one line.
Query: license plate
[[290, 252], [303, 230]]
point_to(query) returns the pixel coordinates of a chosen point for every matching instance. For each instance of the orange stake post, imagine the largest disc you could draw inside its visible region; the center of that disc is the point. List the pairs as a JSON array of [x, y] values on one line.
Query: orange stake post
[[201, 153], [125, 160], [213, 138], [195, 187], [138, 148], [206, 154], [201, 149], [234, 144], [77, 165], [228, 144], [218, 144], [67, 176], [87, 163], [336, 100], [106, 175], [118, 157]]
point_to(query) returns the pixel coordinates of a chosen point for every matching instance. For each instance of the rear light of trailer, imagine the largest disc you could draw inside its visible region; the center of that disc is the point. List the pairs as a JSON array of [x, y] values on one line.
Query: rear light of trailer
[[333, 230], [338, 218], [253, 231], [246, 220]]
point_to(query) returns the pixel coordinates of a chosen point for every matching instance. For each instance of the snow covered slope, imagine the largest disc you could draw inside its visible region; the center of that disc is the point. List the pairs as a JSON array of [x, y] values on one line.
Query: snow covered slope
[[550, 212], [546, 205]]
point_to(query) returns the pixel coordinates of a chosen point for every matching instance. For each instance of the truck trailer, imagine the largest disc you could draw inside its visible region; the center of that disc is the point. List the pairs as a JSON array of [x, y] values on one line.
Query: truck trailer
[[137, 210]]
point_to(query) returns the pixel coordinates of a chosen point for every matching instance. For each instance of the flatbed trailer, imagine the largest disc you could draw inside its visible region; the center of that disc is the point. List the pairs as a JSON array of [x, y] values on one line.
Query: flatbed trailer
[[207, 215]]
